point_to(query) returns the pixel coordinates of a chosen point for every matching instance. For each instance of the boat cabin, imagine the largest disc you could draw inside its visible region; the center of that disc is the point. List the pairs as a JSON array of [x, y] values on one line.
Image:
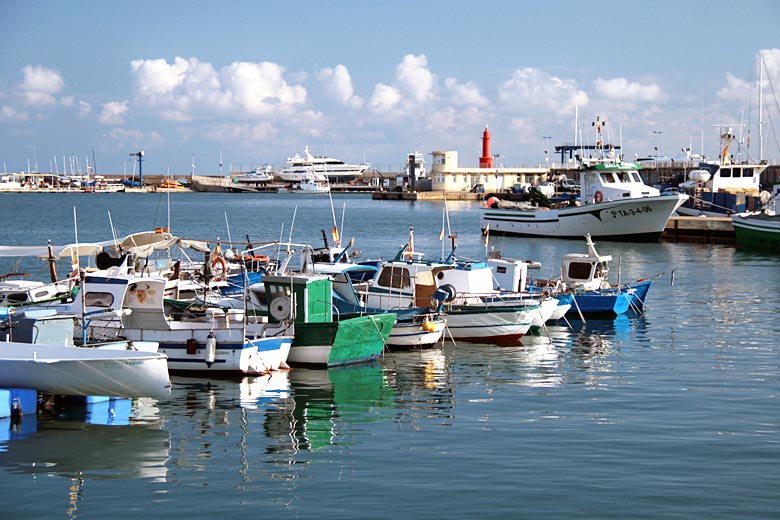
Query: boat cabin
[[606, 180], [586, 271], [299, 298]]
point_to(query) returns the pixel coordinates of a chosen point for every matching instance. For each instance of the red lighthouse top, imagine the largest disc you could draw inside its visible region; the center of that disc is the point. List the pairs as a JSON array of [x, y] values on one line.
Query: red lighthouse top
[[486, 161]]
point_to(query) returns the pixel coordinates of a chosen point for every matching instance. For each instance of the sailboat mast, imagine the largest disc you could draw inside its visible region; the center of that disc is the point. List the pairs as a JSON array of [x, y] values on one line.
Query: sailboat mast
[[760, 108]]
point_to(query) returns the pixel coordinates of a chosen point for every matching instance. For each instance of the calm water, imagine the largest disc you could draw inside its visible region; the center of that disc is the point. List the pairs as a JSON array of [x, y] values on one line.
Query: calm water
[[671, 415]]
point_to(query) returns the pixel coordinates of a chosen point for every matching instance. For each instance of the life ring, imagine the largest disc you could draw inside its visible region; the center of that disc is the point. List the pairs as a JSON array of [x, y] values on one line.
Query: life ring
[[221, 273], [598, 197]]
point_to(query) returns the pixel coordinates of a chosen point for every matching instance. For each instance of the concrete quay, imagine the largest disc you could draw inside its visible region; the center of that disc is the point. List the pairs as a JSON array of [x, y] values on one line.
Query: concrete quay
[[703, 230]]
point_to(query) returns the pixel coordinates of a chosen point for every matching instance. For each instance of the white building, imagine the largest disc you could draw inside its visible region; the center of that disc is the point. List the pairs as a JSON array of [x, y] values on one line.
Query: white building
[[446, 176]]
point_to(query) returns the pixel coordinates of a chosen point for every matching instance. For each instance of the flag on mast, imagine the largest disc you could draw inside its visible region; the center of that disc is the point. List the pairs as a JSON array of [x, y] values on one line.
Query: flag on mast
[[487, 234], [335, 234], [441, 233]]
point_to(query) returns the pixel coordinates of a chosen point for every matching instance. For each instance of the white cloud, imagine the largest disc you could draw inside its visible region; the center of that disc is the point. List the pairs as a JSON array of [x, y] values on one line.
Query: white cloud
[[11, 114], [735, 89], [129, 139], [67, 101], [385, 98], [465, 94], [84, 109], [531, 89], [260, 88], [338, 84], [442, 119], [624, 90], [415, 79], [113, 113], [243, 134], [188, 89], [738, 89], [40, 84]]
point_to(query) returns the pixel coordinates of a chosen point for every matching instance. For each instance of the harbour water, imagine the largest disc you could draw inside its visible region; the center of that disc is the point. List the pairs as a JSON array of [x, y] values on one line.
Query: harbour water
[[670, 415]]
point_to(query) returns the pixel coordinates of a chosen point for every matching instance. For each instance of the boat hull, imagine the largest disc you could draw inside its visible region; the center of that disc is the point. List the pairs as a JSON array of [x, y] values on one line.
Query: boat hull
[[608, 303], [344, 342], [252, 356], [84, 371], [757, 231], [414, 334], [485, 324], [642, 219]]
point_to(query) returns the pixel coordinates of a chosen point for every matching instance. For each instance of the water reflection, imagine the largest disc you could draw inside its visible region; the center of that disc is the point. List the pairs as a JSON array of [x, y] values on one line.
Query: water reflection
[[65, 447], [326, 403], [423, 386]]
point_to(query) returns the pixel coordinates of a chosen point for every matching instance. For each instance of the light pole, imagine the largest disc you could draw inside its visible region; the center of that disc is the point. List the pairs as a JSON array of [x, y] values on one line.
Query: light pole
[[657, 133], [546, 142]]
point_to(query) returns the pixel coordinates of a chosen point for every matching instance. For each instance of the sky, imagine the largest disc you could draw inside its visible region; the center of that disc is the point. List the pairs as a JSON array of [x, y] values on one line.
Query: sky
[[255, 82]]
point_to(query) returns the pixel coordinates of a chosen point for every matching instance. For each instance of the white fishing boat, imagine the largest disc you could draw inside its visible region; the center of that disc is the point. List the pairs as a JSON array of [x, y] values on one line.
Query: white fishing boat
[[71, 370], [615, 203], [309, 185], [37, 351], [298, 167], [256, 176], [473, 310], [723, 187], [197, 337]]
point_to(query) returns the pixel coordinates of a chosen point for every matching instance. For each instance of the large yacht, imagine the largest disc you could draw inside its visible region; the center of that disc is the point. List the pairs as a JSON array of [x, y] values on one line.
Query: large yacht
[[298, 168]]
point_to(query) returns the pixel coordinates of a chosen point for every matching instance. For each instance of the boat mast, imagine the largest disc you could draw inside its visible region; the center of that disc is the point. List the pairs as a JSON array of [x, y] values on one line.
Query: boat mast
[[760, 108]]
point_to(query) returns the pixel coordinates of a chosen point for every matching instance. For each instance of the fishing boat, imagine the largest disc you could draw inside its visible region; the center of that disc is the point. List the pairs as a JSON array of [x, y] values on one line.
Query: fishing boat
[[84, 371], [298, 167], [197, 337], [724, 187], [584, 285], [615, 203], [473, 310], [308, 185], [38, 352], [302, 304], [760, 229]]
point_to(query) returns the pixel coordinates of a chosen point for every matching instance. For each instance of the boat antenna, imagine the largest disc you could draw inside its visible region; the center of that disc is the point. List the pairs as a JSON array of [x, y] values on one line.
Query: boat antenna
[[292, 225], [227, 225], [343, 213], [441, 234], [113, 231], [760, 108]]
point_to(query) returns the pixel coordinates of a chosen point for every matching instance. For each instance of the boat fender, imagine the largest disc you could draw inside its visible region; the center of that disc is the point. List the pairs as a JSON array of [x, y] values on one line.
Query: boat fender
[[211, 349], [598, 197], [428, 326], [219, 274], [192, 346]]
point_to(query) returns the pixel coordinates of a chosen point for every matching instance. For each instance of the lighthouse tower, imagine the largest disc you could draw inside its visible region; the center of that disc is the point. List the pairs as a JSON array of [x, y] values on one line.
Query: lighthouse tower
[[486, 161]]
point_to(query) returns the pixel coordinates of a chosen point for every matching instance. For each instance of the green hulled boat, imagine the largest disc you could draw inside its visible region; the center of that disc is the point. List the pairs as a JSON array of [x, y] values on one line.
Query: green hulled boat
[[322, 339]]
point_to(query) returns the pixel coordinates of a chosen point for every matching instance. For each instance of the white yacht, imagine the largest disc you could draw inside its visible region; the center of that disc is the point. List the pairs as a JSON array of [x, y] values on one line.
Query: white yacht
[[298, 167]]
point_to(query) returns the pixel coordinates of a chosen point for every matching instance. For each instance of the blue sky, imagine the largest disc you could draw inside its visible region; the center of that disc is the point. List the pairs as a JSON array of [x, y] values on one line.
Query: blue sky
[[363, 80]]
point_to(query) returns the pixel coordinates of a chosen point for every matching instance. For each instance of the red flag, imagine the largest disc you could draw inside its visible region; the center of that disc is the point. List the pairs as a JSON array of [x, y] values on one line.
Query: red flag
[[335, 234]]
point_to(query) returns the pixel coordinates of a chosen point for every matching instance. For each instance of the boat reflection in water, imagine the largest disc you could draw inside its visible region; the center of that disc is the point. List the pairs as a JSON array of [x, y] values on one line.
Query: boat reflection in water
[[107, 440], [326, 402]]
